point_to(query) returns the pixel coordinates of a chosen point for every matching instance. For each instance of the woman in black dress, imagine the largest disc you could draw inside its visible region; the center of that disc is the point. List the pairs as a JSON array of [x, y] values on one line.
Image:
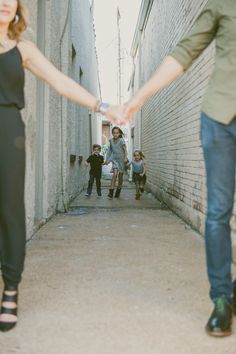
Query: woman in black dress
[[15, 55]]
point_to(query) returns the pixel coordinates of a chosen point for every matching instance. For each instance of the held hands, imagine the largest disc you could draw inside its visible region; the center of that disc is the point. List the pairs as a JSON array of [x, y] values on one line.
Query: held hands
[[129, 108], [121, 115], [115, 114]]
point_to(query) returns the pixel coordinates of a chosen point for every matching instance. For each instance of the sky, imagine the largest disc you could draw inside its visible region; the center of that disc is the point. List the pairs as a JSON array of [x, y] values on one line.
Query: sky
[[105, 17]]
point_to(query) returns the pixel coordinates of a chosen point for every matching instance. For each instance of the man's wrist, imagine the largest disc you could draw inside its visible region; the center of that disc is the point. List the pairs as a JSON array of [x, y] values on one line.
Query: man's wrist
[[139, 100]]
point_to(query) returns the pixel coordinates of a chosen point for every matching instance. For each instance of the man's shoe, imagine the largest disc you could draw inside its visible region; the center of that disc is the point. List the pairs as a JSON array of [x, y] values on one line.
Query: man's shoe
[[220, 322], [87, 194]]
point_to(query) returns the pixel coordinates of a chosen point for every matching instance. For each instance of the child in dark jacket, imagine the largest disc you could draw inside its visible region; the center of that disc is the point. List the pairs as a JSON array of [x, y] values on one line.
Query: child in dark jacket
[[95, 161]]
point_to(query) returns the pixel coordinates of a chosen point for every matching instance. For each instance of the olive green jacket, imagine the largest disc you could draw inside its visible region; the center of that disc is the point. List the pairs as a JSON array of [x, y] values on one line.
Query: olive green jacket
[[216, 21]]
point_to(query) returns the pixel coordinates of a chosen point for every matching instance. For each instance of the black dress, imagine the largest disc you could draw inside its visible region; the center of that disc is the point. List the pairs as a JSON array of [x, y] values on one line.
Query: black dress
[[12, 167]]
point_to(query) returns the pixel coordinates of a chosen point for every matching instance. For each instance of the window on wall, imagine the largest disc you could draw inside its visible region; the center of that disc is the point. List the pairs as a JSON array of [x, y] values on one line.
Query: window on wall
[[80, 75], [73, 53]]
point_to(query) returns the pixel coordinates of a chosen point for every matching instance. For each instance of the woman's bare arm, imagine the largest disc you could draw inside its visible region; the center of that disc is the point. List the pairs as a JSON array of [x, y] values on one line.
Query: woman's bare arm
[[36, 63]]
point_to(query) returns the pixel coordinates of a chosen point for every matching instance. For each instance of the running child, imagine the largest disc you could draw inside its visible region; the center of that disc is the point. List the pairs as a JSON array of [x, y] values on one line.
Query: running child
[[95, 161], [139, 172], [119, 159]]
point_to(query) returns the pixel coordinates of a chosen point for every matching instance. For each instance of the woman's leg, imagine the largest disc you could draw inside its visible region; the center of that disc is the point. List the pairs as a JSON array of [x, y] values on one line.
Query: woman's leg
[[12, 210]]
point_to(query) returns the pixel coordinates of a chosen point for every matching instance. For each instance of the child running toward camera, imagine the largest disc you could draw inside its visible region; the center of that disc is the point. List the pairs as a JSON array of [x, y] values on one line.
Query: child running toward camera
[[119, 160], [139, 172], [95, 161]]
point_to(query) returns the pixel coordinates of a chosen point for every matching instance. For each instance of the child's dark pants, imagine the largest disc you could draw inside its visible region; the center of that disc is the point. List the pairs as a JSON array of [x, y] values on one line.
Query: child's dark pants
[[91, 181]]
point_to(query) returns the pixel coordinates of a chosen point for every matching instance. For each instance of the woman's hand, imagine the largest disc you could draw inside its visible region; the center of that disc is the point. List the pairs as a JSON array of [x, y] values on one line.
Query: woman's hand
[[115, 114]]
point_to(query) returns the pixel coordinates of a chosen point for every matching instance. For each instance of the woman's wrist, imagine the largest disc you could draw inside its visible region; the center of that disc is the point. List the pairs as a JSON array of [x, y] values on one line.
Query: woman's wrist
[[101, 107], [95, 106]]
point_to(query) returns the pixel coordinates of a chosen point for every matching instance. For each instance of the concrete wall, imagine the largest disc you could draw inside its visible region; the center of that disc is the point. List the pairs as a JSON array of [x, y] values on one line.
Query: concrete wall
[[56, 128], [85, 129], [167, 129]]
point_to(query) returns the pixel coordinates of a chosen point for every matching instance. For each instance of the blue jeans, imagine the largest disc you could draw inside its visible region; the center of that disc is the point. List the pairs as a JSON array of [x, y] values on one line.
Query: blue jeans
[[219, 147]]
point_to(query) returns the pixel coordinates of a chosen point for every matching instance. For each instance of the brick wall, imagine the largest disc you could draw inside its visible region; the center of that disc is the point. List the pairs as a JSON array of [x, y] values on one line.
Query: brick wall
[[167, 129]]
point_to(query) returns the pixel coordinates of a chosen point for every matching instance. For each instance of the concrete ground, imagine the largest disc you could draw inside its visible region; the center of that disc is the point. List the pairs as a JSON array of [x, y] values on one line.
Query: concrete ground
[[115, 277]]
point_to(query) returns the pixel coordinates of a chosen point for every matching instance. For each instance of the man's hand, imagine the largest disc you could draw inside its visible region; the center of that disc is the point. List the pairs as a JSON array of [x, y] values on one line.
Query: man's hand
[[115, 114], [129, 108], [166, 73]]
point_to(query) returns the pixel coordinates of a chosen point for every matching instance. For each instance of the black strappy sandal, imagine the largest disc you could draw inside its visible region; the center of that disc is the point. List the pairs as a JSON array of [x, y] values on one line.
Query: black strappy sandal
[[6, 326]]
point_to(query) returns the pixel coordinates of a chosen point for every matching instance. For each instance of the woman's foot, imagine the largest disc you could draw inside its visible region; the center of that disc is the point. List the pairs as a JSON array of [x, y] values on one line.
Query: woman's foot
[[8, 315]]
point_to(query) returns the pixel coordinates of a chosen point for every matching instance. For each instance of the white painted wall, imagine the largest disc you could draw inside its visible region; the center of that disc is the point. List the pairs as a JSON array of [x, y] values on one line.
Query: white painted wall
[[56, 128]]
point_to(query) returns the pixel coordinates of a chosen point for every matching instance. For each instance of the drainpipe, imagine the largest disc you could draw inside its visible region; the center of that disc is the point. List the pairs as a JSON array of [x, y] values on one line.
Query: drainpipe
[[61, 198]]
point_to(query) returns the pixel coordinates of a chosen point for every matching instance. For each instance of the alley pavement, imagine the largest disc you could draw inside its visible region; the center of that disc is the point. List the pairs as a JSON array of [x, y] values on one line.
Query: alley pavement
[[115, 277]]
